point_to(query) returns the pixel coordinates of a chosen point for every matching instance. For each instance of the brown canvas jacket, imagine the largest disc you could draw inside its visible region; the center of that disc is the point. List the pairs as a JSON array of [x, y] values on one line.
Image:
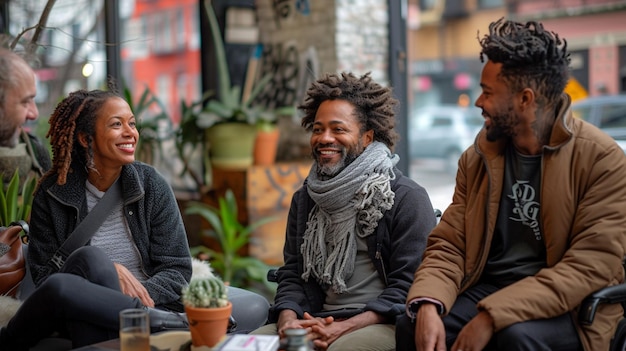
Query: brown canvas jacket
[[583, 219]]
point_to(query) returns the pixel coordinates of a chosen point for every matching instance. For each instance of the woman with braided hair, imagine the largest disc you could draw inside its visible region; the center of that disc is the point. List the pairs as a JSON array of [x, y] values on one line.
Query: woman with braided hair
[[137, 258]]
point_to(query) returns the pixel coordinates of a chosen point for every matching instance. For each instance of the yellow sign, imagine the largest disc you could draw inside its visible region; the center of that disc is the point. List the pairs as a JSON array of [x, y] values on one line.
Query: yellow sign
[[575, 90]]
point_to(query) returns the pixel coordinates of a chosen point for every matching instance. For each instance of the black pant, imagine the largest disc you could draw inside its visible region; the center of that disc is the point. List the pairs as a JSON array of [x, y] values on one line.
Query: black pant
[[558, 333], [81, 302]]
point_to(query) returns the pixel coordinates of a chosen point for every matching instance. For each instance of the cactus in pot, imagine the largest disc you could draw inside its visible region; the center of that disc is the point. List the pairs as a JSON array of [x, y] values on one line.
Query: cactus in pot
[[205, 292], [208, 310]]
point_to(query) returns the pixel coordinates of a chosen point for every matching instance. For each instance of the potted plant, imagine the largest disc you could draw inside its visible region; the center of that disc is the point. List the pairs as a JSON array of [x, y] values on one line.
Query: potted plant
[[228, 119], [224, 122], [208, 310], [268, 136], [231, 237]]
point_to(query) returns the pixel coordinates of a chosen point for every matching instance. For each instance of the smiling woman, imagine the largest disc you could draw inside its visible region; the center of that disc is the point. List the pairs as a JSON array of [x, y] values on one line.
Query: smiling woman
[[115, 146], [138, 257]]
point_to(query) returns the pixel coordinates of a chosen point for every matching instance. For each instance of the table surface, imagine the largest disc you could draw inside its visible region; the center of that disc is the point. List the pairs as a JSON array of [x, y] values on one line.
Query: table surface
[[102, 346], [180, 340], [167, 341]]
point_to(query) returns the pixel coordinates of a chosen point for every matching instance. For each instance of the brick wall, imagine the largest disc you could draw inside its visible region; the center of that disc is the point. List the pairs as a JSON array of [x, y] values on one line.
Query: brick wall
[[302, 39]]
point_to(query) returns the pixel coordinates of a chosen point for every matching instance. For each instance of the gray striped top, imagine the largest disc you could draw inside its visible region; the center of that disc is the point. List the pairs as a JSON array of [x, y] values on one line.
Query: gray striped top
[[114, 236]]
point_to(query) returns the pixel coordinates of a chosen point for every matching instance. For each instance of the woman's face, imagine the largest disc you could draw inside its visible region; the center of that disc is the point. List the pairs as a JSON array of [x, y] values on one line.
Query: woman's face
[[115, 136]]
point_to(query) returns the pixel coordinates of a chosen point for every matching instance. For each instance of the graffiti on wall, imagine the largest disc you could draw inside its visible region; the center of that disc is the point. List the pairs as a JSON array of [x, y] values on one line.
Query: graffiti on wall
[[291, 73], [284, 9], [291, 70]]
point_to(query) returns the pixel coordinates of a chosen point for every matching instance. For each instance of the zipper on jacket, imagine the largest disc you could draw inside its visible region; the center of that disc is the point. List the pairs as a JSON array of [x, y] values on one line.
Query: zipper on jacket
[[382, 264]]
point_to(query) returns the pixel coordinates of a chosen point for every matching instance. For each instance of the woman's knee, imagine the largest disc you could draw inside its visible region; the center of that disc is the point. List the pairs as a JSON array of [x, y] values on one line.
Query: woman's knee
[[250, 309], [57, 289], [93, 264]]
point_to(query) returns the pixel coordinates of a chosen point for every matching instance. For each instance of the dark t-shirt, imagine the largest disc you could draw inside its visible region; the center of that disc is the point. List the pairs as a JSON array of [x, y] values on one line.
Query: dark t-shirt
[[517, 249]]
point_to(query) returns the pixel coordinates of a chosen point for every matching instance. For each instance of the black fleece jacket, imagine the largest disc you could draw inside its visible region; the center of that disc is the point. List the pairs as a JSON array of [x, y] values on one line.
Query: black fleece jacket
[[150, 210]]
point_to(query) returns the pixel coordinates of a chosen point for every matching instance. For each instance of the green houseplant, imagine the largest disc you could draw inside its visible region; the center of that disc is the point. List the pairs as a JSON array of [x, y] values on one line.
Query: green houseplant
[[152, 121], [16, 205], [208, 310], [224, 123], [231, 237], [225, 120]]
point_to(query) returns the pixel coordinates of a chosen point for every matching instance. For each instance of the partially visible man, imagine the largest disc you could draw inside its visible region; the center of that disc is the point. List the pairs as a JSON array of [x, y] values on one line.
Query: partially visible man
[[357, 227], [537, 220], [18, 149]]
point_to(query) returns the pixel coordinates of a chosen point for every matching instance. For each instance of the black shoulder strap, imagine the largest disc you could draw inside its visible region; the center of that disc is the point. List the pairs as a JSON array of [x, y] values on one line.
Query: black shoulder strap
[[88, 226]]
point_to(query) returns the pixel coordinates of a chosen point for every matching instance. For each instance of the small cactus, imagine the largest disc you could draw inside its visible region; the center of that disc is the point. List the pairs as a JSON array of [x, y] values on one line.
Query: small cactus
[[205, 292]]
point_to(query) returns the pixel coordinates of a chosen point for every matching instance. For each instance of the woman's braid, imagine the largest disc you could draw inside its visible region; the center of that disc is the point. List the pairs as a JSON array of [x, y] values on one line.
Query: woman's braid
[[74, 115]]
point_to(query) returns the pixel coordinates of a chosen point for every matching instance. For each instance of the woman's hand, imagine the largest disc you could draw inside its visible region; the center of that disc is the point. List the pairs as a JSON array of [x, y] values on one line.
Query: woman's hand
[[132, 287]]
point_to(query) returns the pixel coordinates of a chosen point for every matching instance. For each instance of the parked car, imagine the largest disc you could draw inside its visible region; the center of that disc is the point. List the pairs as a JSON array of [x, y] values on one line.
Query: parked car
[[607, 112], [443, 132]]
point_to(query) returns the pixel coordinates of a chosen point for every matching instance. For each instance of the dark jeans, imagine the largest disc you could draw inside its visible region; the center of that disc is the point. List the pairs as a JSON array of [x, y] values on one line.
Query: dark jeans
[[558, 333], [82, 301]]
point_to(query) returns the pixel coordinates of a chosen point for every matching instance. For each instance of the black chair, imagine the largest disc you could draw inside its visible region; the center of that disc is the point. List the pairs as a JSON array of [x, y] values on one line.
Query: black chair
[[611, 295]]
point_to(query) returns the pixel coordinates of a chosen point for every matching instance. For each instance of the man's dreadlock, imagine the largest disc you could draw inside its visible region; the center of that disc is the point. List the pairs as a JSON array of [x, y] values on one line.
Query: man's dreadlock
[[73, 116], [530, 56]]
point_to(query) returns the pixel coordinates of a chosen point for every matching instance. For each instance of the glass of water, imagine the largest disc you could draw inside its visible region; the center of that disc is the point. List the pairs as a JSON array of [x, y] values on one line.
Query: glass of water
[[134, 330]]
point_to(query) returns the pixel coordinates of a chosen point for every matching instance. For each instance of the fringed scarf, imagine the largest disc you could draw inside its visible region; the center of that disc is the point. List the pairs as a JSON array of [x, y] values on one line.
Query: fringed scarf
[[349, 204]]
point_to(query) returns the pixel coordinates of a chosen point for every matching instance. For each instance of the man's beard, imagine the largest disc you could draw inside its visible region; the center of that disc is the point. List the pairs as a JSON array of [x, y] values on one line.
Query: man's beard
[[330, 170], [495, 132], [502, 125], [9, 136]]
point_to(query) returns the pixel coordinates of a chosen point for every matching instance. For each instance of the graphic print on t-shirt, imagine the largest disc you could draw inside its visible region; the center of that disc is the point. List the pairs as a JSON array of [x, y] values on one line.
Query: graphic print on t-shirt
[[526, 206]]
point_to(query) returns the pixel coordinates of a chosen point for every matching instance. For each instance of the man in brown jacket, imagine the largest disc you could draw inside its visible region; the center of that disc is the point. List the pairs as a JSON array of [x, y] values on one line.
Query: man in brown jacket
[[537, 221]]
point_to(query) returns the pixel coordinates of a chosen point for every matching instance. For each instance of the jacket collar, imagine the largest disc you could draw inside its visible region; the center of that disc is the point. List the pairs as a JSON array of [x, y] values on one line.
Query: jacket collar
[[73, 191]]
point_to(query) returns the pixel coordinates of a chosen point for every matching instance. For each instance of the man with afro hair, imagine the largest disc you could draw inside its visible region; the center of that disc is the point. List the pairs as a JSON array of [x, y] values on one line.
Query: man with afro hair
[[356, 228]]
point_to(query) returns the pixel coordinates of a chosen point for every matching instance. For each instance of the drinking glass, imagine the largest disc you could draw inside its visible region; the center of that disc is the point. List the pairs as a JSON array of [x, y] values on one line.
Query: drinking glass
[[134, 330]]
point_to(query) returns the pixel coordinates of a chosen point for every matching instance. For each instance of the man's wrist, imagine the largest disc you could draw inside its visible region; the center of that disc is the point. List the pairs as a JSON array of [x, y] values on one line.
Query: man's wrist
[[415, 305]]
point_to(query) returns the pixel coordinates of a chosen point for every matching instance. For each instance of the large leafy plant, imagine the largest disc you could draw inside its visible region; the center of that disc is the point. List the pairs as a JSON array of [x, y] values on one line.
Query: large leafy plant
[[16, 205], [229, 104], [231, 236]]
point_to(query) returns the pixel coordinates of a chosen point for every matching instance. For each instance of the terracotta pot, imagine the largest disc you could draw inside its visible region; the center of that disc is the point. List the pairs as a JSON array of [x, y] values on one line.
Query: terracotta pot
[[265, 147], [208, 325]]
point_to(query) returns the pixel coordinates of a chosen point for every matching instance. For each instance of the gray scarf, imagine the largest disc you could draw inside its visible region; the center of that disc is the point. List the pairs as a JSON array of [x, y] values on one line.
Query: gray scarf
[[349, 204]]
